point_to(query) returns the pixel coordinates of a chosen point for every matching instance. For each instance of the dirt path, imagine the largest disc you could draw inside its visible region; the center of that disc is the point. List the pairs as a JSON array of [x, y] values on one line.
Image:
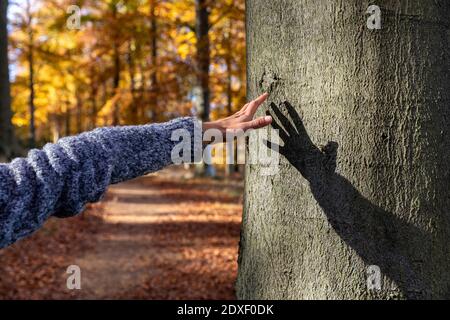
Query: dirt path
[[158, 237]]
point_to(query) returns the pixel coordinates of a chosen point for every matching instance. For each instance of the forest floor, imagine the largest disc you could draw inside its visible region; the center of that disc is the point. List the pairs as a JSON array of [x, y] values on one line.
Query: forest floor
[[157, 237]]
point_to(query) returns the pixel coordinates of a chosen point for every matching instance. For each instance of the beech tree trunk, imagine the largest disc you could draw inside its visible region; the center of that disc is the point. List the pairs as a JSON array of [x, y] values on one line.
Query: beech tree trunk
[[6, 128], [376, 197]]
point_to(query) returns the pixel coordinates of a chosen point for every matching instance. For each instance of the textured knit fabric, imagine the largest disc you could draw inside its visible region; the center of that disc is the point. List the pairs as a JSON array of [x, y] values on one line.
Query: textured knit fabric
[[62, 178]]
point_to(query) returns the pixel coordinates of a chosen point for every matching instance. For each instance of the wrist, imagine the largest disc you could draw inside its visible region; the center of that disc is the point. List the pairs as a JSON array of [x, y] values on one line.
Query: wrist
[[213, 125]]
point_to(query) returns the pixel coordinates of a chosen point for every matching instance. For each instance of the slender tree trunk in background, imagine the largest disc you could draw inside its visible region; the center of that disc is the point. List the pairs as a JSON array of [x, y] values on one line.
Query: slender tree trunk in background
[[116, 83], [202, 68], [79, 109], [32, 108], [142, 94], [94, 91], [154, 96], [230, 167], [132, 72], [6, 128], [68, 120], [315, 231], [116, 71], [203, 57], [105, 93]]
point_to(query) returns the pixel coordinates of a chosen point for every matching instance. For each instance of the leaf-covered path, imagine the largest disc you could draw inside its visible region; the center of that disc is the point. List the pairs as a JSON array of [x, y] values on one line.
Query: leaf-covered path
[[157, 237]]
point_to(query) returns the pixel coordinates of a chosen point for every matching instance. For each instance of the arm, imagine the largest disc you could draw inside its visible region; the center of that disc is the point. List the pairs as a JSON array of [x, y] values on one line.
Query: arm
[[62, 178]]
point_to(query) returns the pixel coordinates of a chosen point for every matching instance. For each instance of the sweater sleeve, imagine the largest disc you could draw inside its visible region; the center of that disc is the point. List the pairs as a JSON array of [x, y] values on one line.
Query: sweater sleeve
[[63, 177]]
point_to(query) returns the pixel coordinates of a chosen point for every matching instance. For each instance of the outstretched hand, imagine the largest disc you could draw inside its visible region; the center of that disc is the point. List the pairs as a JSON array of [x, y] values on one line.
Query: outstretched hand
[[243, 119]]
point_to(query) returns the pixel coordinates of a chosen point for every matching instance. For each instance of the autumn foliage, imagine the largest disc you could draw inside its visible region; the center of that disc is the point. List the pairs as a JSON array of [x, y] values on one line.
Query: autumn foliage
[[128, 62]]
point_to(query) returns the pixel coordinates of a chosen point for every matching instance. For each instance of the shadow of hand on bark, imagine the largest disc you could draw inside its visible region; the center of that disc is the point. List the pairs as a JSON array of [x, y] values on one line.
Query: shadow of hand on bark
[[377, 236]]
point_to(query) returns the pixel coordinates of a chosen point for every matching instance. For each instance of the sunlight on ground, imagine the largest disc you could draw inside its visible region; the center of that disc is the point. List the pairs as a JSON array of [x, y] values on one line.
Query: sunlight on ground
[[157, 237]]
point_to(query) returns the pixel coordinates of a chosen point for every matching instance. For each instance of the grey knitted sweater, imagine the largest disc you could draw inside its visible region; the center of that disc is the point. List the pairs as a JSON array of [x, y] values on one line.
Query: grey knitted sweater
[[62, 178]]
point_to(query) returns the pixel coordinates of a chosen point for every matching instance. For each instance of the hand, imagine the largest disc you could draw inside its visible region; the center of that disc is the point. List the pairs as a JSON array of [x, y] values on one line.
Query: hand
[[243, 119]]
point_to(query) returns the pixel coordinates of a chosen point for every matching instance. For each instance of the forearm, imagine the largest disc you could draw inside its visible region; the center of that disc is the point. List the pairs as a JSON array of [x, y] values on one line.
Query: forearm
[[63, 177]]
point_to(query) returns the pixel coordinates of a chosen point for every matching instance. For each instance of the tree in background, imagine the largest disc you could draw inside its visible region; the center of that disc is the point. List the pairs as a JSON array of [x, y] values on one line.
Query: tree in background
[[202, 59], [202, 66], [24, 21], [228, 54], [219, 31], [360, 206], [6, 128], [130, 62]]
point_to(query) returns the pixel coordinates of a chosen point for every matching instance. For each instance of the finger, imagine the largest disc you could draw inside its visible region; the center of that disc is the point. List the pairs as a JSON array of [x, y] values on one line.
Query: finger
[[257, 123], [284, 120], [254, 105]]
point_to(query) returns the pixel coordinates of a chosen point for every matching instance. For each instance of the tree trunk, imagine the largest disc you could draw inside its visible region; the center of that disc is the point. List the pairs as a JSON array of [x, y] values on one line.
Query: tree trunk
[[79, 109], [203, 57], [93, 94], [132, 72], [142, 94], [154, 96], [31, 106], [116, 83], [117, 66], [378, 195], [67, 120], [6, 127], [231, 165]]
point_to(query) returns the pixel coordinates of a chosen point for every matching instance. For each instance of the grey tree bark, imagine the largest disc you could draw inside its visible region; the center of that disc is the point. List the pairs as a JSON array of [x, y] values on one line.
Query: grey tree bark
[[6, 128], [377, 195]]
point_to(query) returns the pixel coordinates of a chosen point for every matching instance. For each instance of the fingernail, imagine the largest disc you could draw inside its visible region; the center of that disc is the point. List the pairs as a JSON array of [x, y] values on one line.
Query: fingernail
[[268, 118]]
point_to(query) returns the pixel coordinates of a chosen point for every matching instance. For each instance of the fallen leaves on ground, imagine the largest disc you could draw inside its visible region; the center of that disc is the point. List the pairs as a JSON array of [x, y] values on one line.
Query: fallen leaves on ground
[[157, 237]]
